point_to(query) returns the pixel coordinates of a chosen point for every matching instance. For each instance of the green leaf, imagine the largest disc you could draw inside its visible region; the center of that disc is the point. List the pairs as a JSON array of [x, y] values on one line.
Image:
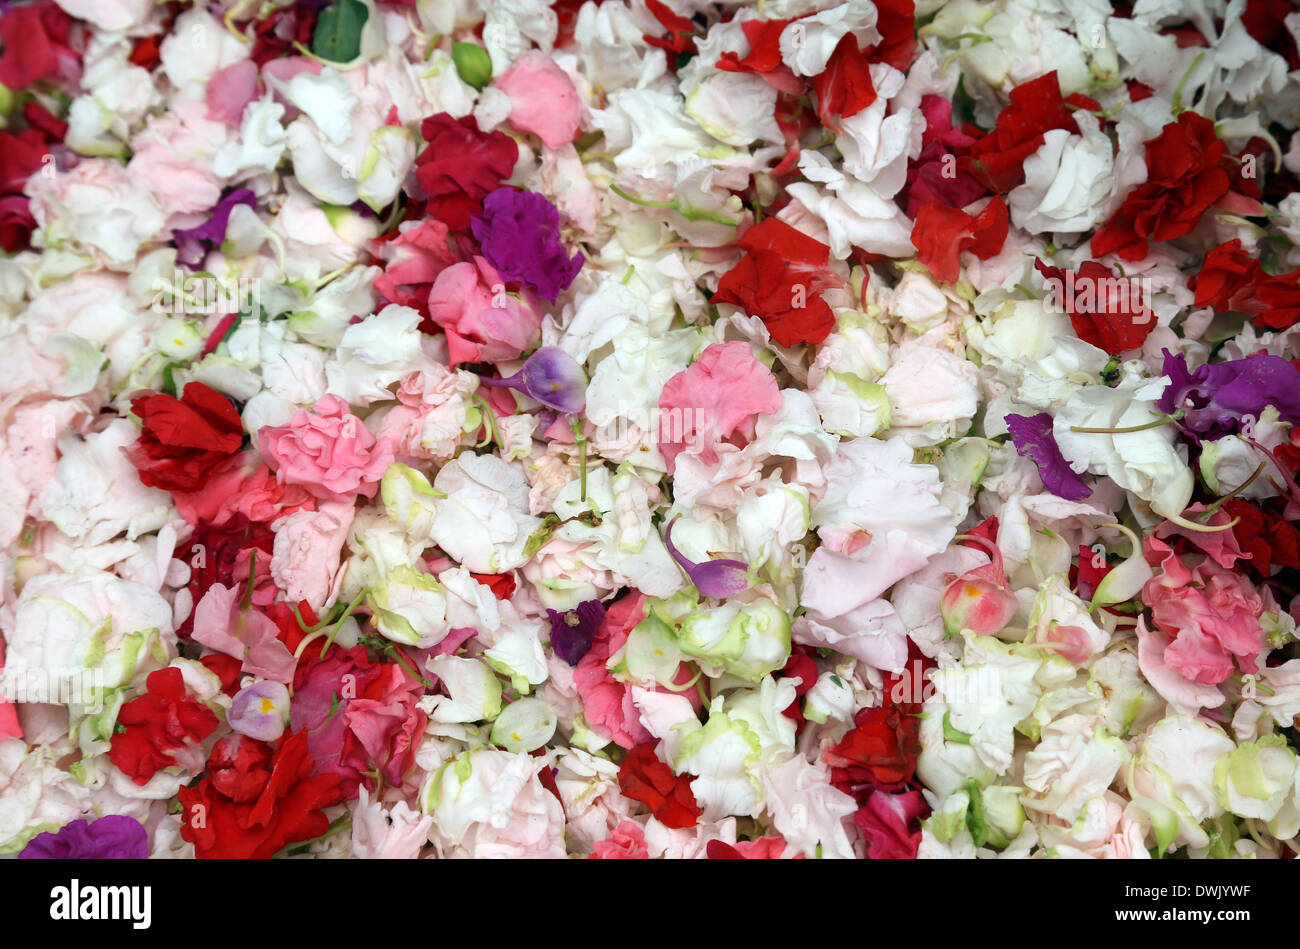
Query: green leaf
[[338, 31], [538, 538]]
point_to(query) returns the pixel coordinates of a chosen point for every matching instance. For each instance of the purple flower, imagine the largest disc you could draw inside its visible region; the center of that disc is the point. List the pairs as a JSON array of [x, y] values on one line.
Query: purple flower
[[552, 377], [1032, 436], [260, 710], [520, 235], [716, 578], [1215, 398], [110, 838], [193, 243], [573, 631]]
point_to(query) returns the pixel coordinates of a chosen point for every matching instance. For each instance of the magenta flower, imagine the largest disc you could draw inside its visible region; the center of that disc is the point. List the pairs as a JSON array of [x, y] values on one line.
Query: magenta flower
[[1032, 436], [1216, 398], [716, 578], [114, 837], [520, 235], [573, 631], [552, 377]]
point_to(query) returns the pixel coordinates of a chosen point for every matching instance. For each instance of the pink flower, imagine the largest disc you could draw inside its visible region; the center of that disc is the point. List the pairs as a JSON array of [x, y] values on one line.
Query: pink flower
[[607, 703], [1210, 613], [230, 91], [627, 842], [542, 98], [328, 451], [415, 258], [483, 323], [307, 550], [237, 487], [718, 398], [886, 822], [221, 624]]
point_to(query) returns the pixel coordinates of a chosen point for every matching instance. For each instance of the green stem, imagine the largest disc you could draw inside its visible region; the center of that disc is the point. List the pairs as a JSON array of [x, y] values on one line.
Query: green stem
[[690, 213], [1178, 89], [1165, 420], [581, 440], [339, 625]]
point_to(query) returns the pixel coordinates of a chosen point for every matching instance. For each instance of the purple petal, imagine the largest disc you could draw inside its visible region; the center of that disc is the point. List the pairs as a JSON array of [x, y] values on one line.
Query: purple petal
[[249, 714], [713, 578], [194, 242], [572, 632], [110, 838], [554, 378], [1032, 436], [519, 232], [1216, 397]]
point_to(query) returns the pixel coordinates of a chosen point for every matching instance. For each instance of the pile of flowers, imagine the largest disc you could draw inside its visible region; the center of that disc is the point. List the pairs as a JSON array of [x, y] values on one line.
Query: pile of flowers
[[649, 428]]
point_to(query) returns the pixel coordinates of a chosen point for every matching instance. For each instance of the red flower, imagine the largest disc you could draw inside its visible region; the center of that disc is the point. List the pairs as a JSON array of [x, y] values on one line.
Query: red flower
[[780, 280], [254, 802], [184, 439], [1108, 311], [35, 42], [844, 87], [1090, 575], [220, 552], [643, 777], [20, 157], [277, 32], [887, 823], [1279, 299], [16, 222], [461, 166], [681, 32], [885, 742], [1185, 177], [359, 716], [802, 666], [1268, 538], [157, 725], [764, 56], [502, 585], [938, 174], [226, 668], [1228, 279], [1036, 107], [896, 24], [941, 233]]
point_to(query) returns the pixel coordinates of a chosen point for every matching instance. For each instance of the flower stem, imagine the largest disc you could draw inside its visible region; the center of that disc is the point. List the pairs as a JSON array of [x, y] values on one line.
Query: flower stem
[[1164, 420], [581, 439]]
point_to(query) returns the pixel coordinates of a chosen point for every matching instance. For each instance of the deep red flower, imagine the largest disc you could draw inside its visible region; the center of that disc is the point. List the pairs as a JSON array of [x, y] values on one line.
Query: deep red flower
[[359, 716], [844, 87], [1107, 311], [1185, 178], [896, 24], [890, 824], [764, 56], [1267, 537], [941, 233], [938, 173], [276, 33], [461, 166], [216, 553], [1036, 107], [254, 802], [643, 777], [183, 440], [1265, 21], [780, 280], [1090, 573], [16, 223], [157, 725], [21, 155], [802, 666], [35, 43], [885, 741]]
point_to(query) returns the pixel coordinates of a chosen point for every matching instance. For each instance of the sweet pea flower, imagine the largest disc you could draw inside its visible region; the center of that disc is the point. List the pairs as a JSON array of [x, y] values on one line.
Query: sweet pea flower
[[483, 323], [520, 235], [543, 100], [979, 600], [552, 377], [714, 578], [110, 838], [328, 451], [260, 710]]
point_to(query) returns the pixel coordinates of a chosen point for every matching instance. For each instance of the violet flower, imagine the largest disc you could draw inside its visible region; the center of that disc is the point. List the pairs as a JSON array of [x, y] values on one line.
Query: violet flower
[[1216, 397], [1032, 436], [573, 631], [260, 710], [552, 377], [519, 232], [714, 578], [114, 837], [193, 243]]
